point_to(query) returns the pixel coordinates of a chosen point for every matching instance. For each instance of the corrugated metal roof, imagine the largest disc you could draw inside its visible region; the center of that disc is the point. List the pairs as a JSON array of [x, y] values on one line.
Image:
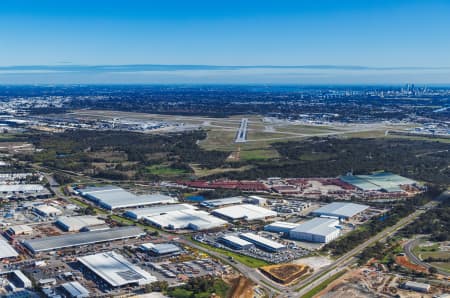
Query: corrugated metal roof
[[161, 248], [6, 250], [280, 226], [116, 270], [188, 218], [341, 209], [113, 197], [21, 187], [378, 181], [157, 210], [261, 240], [245, 211], [236, 240], [317, 226], [223, 202], [76, 223], [75, 289], [71, 240]]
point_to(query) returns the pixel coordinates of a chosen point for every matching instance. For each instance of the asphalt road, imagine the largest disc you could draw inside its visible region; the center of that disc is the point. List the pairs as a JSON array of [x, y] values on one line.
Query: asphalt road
[[301, 288], [349, 258], [416, 260]]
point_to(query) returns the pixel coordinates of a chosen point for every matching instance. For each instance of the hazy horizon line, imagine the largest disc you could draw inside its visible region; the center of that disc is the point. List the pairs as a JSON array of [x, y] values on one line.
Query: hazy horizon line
[[68, 66]]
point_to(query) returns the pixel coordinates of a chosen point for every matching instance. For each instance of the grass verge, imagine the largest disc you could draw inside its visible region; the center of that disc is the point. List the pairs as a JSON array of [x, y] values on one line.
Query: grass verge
[[323, 285], [246, 260]]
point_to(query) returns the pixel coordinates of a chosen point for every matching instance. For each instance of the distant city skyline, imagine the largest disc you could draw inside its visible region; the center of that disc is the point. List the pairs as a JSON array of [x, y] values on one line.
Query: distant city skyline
[[263, 42]]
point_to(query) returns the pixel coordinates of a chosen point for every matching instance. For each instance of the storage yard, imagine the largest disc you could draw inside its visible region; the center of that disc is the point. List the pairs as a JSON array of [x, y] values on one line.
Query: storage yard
[[380, 185], [259, 246]]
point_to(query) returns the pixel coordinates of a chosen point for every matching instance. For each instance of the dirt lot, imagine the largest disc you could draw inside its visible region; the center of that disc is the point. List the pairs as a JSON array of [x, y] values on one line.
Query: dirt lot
[[285, 273], [314, 262], [241, 287], [404, 262]]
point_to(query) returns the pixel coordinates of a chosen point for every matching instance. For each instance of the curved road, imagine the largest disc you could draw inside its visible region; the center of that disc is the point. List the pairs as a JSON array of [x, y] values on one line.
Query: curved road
[[416, 260]]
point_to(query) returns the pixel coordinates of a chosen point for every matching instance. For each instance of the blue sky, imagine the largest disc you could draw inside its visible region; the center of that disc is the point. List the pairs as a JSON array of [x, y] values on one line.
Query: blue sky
[[396, 41]]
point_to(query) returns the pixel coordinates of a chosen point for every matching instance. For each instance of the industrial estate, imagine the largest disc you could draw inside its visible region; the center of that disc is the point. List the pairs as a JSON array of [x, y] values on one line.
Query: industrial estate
[[101, 203]]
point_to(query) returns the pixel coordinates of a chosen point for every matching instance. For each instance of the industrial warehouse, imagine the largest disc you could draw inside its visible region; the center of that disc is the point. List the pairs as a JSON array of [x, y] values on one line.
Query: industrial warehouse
[[23, 191], [235, 242], [73, 240], [77, 223], [244, 212], [75, 289], [160, 248], [340, 210], [186, 219], [46, 210], [6, 250], [113, 197], [280, 227], [383, 181], [115, 270], [316, 230], [222, 202], [139, 213], [261, 242]]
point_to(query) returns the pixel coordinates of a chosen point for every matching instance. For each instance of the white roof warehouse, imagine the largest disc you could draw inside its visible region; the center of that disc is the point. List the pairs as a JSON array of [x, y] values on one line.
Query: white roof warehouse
[[244, 211], [86, 238], [76, 223], [113, 197], [6, 250], [114, 269], [316, 230], [340, 210]]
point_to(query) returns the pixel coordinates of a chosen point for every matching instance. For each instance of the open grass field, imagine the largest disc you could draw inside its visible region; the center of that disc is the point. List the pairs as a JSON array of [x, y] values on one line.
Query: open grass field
[[82, 204], [258, 154], [435, 251], [164, 170]]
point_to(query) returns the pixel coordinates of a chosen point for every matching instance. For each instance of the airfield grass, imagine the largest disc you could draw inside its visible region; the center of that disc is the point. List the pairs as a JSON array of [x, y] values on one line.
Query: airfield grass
[[201, 172], [258, 154], [246, 260], [306, 129]]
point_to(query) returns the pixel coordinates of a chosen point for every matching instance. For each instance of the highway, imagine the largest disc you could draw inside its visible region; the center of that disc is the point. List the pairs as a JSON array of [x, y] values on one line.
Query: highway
[[350, 258], [304, 286]]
